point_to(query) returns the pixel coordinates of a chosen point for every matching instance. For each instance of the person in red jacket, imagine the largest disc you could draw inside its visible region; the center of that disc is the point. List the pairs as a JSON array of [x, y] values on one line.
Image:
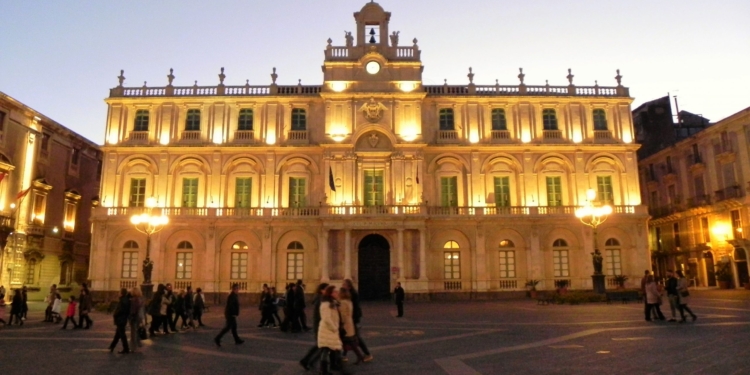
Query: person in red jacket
[[70, 313]]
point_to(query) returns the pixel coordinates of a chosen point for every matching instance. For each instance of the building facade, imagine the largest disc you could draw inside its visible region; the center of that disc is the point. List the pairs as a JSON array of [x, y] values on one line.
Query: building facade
[[372, 175], [697, 194], [49, 180]]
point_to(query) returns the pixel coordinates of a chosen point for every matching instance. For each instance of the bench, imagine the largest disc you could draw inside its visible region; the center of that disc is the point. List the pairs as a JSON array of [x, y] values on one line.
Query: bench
[[544, 298], [623, 296]]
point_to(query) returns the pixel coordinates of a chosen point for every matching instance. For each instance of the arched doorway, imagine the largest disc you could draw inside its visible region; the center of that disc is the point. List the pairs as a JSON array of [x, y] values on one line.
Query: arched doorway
[[374, 267], [740, 260], [708, 257]]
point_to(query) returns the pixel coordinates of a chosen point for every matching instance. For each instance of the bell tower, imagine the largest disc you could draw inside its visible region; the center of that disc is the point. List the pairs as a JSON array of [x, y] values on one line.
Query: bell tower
[[372, 25]]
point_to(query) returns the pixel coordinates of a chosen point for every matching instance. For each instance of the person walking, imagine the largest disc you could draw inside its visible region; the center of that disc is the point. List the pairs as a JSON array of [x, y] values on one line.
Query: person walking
[[56, 308], [155, 309], [171, 320], [198, 306], [122, 311], [84, 308], [231, 312], [349, 338], [398, 294], [277, 301], [653, 297], [357, 316], [136, 316], [50, 303], [179, 310], [684, 296], [16, 308], [2, 310], [165, 310], [674, 299], [329, 340], [644, 281], [300, 304], [189, 305], [265, 308], [70, 313], [308, 361]]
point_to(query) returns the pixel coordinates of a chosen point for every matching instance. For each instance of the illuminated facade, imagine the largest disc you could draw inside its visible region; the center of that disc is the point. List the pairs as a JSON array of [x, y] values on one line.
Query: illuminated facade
[[49, 180], [697, 194], [371, 176]]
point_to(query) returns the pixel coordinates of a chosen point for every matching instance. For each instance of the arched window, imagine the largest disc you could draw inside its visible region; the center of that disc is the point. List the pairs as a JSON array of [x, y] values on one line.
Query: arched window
[[141, 121], [446, 122], [239, 245], [184, 245], [239, 261], [295, 261], [549, 119], [507, 259], [295, 245], [498, 119], [612, 257], [193, 120], [451, 261], [31, 272], [451, 245], [560, 261], [130, 245], [600, 119], [299, 119], [245, 120]]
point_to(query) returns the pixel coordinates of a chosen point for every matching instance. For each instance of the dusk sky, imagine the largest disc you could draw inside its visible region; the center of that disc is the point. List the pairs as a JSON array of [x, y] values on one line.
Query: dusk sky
[[62, 57]]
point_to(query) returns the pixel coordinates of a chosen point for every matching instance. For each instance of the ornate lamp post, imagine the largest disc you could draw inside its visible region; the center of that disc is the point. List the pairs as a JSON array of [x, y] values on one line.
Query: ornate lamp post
[[593, 216], [149, 223]]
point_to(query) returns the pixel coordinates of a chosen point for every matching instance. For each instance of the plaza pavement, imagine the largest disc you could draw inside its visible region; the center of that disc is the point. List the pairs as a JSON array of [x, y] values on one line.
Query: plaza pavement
[[455, 338]]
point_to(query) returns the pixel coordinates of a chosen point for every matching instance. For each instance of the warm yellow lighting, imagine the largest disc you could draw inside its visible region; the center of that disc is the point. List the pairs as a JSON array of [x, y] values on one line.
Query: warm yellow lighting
[[338, 137], [721, 230], [270, 139], [112, 139], [474, 137], [526, 137], [627, 138], [55, 229], [338, 86], [150, 202], [408, 86], [577, 137], [217, 138], [590, 194], [69, 225], [409, 132], [12, 206], [164, 139]]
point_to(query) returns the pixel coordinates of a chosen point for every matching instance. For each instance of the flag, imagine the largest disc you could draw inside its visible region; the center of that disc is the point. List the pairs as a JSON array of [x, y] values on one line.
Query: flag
[[2, 176], [331, 183], [417, 173], [23, 193]]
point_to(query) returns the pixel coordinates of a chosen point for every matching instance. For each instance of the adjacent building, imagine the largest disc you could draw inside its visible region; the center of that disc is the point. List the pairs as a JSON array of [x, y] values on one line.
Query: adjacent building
[[453, 190], [49, 179]]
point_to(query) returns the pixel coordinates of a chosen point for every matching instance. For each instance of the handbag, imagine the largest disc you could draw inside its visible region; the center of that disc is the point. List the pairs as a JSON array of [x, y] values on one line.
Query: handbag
[[142, 333], [684, 293]]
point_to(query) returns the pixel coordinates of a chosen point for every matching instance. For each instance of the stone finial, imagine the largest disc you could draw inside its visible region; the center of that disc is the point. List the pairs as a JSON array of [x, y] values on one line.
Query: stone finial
[[521, 75], [570, 77], [121, 77], [196, 83], [274, 75], [618, 78], [144, 84], [247, 83], [221, 77], [415, 42], [471, 76], [394, 38], [170, 77], [330, 41]]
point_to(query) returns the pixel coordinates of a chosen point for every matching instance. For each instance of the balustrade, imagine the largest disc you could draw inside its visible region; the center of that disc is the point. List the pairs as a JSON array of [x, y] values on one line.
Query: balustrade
[[506, 284], [602, 134], [182, 284], [244, 136], [128, 284], [500, 134], [452, 285], [552, 134], [447, 135], [138, 136], [191, 135], [298, 135]]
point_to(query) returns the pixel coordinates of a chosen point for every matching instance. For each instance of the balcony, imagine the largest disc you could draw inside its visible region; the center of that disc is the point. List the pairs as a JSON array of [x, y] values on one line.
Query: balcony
[[447, 136], [298, 136], [244, 136], [698, 201], [191, 135], [138, 137], [731, 192], [602, 135], [500, 135], [552, 134]]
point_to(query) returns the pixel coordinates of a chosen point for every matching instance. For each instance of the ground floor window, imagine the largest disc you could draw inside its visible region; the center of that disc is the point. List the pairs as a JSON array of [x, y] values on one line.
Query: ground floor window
[[129, 264], [560, 262], [239, 266], [452, 265], [507, 264], [31, 272], [184, 266], [295, 263]]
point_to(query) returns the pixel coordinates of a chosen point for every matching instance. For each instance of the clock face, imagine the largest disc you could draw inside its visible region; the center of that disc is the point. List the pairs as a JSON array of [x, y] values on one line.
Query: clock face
[[372, 67]]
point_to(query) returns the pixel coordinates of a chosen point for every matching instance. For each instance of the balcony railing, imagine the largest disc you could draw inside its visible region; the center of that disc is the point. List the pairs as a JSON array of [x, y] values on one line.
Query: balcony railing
[[500, 134], [298, 135], [602, 134], [731, 192], [244, 136], [191, 135], [698, 201], [552, 134], [138, 136]]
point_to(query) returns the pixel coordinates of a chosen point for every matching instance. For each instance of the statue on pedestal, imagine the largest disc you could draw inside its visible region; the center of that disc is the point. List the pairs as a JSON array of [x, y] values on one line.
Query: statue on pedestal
[[596, 257], [148, 266]]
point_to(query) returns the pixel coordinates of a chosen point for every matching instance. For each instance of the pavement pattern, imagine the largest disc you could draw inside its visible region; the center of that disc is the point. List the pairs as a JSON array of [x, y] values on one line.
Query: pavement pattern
[[455, 338]]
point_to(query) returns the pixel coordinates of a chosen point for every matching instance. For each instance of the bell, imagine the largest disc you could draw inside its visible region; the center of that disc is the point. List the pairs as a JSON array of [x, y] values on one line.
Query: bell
[[372, 31], [372, 39]]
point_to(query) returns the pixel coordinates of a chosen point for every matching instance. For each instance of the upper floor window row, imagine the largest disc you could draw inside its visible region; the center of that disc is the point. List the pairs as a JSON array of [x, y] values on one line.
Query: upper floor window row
[[600, 119], [299, 119], [446, 119], [549, 119], [245, 120], [193, 120], [141, 120], [498, 119]]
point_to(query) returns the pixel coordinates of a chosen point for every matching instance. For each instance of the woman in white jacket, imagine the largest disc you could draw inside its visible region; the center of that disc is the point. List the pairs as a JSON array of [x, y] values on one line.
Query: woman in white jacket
[[329, 339], [684, 296]]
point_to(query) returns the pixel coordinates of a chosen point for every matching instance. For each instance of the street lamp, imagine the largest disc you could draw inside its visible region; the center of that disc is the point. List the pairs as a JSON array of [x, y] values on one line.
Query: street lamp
[[593, 216], [149, 223]]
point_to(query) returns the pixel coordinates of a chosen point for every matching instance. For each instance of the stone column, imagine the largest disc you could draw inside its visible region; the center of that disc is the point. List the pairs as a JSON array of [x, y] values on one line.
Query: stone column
[[400, 253], [422, 255], [323, 249], [348, 254]]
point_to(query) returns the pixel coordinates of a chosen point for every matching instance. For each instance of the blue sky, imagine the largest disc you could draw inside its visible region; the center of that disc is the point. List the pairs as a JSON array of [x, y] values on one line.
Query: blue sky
[[61, 57]]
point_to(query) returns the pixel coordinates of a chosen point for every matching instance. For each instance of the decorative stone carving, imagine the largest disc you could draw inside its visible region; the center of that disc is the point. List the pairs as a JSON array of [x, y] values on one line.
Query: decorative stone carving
[[570, 77], [170, 77], [274, 76], [394, 38], [349, 38], [372, 110], [121, 77], [521, 75], [221, 77], [373, 139]]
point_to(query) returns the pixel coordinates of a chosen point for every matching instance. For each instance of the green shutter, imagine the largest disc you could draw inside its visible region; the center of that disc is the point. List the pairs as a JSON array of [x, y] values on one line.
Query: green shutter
[[604, 189], [554, 191], [189, 192], [502, 191], [297, 192], [137, 192], [373, 188], [242, 192], [449, 191]]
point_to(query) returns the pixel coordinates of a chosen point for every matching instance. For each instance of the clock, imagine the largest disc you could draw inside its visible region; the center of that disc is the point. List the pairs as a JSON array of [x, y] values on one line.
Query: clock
[[372, 67]]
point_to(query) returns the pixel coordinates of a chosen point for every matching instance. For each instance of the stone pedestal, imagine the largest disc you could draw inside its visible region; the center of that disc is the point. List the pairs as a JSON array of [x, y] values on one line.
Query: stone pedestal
[[599, 286], [147, 290]]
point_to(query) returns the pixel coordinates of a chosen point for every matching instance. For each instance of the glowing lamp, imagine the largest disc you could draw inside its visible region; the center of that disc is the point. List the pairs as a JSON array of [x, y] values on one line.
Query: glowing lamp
[[590, 194], [270, 139], [338, 86], [338, 137], [164, 139], [407, 86]]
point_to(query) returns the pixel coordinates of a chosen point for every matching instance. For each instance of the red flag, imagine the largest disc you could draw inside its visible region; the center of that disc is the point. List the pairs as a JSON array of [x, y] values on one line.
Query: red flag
[[23, 193]]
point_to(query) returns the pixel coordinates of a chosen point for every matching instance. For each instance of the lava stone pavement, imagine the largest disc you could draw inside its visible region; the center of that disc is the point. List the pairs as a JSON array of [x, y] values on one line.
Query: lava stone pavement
[[455, 338]]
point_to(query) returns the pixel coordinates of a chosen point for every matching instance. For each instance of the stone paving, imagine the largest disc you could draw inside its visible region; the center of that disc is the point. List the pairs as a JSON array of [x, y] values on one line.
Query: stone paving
[[493, 337]]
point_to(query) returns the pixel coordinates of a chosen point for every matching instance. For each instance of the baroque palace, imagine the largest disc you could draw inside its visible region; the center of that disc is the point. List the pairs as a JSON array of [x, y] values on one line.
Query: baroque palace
[[453, 190]]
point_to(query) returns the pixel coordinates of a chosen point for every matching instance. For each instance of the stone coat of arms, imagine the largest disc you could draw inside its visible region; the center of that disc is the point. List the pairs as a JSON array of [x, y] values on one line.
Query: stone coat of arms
[[372, 110]]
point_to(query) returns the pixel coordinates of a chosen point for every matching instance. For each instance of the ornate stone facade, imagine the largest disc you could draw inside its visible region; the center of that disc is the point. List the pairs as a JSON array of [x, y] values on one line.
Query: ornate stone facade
[[371, 176]]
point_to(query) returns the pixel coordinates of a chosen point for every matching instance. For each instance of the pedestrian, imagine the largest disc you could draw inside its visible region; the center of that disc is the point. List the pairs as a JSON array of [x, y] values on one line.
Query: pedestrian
[[56, 307], [308, 361], [277, 301], [16, 308], [265, 308], [189, 302], [674, 299], [2, 291], [171, 320], [357, 316], [70, 313], [135, 317], [179, 310], [300, 304], [644, 280], [398, 294], [290, 320], [349, 333], [231, 312], [653, 298], [84, 307], [155, 309], [2, 310], [166, 309], [50, 300], [121, 314], [684, 296], [329, 339], [198, 306]]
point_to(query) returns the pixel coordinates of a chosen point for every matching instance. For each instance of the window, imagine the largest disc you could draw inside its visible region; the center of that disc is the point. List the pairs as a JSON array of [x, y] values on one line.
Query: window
[[297, 190], [129, 263], [651, 173], [141, 121], [445, 116], [40, 207], [242, 190], [245, 121], [507, 259], [239, 265], [704, 230], [736, 224], [452, 265], [672, 194], [374, 189], [184, 245], [189, 192], [729, 176], [66, 273], [299, 119], [449, 191], [137, 192], [70, 216], [184, 265], [193, 120], [657, 235], [75, 156], [44, 149], [30, 272], [612, 257], [295, 263], [696, 154], [295, 245], [669, 164], [600, 119], [554, 191], [498, 119], [604, 189], [676, 234], [2, 121], [700, 189], [560, 258], [549, 119], [654, 201], [502, 191]]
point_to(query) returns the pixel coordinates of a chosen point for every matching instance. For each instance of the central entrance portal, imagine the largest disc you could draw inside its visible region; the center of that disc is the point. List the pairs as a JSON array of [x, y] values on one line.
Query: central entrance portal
[[374, 268]]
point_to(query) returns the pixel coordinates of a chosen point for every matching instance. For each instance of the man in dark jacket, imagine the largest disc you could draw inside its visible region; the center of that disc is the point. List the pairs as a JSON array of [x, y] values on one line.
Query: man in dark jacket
[[313, 354], [674, 298], [121, 314], [84, 307], [231, 312], [399, 296], [357, 317], [171, 318], [299, 305], [189, 306]]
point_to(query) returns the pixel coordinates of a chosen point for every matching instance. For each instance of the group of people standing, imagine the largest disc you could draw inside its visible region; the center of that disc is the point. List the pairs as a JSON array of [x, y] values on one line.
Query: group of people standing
[[677, 292], [292, 302]]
